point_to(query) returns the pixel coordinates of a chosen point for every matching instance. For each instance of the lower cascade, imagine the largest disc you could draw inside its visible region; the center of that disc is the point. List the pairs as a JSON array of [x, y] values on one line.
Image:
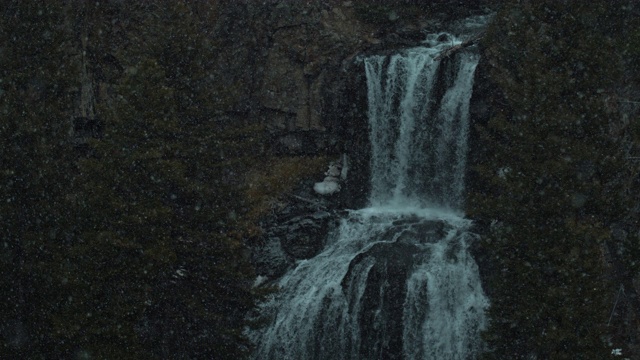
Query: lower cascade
[[395, 280]]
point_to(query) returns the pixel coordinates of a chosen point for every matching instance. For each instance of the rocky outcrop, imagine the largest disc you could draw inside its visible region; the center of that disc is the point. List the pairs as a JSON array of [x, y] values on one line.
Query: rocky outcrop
[[286, 64], [310, 45], [304, 236], [382, 301], [308, 89], [297, 231]]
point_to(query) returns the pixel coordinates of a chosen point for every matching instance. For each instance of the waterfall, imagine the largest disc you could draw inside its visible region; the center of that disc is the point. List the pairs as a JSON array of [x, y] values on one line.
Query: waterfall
[[395, 280], [419, 143]]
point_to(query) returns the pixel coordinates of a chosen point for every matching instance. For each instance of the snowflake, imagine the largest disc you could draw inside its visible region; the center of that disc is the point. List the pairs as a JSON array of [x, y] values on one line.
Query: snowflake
[[616, 352]]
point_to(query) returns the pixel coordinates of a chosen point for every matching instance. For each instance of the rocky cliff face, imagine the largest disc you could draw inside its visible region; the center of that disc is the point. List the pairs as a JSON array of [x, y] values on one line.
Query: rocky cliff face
[[292, 65], [300, 64]]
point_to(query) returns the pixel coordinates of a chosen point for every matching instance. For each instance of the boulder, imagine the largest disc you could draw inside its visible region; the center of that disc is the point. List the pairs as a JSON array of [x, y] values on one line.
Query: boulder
[[304, 236], [269, 259]]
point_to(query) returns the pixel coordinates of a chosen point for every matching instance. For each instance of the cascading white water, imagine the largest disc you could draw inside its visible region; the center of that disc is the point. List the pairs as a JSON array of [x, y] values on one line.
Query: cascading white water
[[418, 151], [395, 280]]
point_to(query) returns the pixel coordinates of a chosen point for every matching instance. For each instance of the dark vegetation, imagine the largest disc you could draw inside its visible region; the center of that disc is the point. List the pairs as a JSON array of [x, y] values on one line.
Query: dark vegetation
[[556, 176], [121, 198]]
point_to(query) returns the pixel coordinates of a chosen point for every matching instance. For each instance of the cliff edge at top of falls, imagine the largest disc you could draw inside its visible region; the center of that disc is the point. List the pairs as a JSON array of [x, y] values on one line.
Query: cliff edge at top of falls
[[286, 62]]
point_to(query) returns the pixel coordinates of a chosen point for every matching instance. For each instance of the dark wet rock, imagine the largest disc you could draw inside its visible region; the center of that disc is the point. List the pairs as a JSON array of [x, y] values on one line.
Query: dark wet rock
[[416, 229], [383, 299], [304, 236], [270, 259], [443, 37], [297, 231]]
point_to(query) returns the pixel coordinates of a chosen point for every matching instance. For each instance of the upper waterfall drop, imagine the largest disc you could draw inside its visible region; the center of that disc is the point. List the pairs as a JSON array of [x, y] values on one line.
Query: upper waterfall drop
[[419, 120]]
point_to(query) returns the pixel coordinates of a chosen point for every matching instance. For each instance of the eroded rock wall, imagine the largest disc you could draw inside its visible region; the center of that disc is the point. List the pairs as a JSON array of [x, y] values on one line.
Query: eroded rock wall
[[290, 64]]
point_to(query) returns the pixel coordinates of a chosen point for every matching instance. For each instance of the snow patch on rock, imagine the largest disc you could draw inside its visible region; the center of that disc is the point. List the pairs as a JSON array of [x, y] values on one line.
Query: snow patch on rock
[[331, 184]]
